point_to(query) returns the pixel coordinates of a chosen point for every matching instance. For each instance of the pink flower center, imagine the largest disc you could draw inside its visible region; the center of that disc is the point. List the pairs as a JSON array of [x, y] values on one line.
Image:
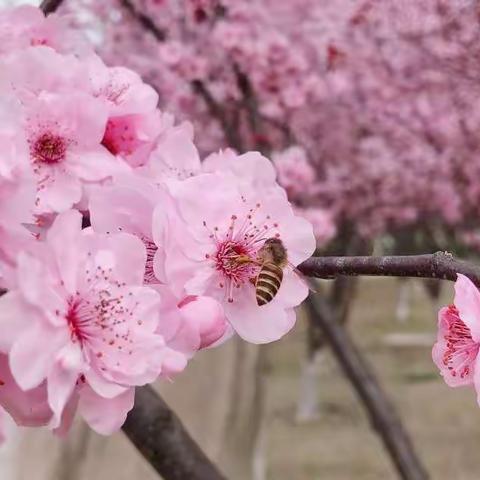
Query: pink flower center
[[231, 260], [461, 348], [235, 257], [99, 320], [149, 276], [79, 319], [49, 149], [35, 42], [120, 136]]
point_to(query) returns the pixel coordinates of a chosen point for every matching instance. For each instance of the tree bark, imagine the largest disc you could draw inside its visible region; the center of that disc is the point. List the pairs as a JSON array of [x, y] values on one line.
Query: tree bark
[[49, 6], [162, 439], [440, 265]]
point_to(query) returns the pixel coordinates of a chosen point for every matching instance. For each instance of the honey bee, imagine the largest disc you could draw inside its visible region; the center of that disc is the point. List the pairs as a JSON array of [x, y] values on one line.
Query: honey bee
[[272, 258]]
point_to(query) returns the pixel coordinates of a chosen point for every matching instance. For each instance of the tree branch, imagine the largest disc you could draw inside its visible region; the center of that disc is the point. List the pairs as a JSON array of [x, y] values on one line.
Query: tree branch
[[215, 108], [218, 112], [440, 265], [381, 411], [49, 6], [144, 20], [161, 438]]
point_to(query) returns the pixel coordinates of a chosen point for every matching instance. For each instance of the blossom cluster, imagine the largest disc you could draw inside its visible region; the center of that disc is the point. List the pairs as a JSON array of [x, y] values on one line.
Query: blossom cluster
[[380, 98], [122, 254]]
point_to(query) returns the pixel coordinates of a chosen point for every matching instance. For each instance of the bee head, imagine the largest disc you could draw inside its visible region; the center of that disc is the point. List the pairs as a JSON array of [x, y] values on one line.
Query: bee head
[[274, 251]]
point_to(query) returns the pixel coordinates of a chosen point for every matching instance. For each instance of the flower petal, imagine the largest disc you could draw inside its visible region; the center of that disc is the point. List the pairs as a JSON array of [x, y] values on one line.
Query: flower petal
[[62, 379], [63, 239], [31, 359], [105, 416], [258, 324], [467, 301]]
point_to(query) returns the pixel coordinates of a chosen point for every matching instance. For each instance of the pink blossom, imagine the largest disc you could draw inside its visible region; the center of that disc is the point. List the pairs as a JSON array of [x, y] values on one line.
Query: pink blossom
[[372, 110], [64, 135], [28, 73], [83, 295], [187, 324], [251, 169], [17, 188], [121, 88], [132, 137], [217, 221], [133, 121], [456, 351], [295, 173], [26, 26], [127, 206], [175, 155]]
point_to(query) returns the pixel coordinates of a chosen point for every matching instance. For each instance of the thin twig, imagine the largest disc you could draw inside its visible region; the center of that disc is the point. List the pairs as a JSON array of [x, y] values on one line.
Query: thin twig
[[215, 108], [145, 20], [162, 439], [250, 102], [217, 111], [440, 265], [49, 6]]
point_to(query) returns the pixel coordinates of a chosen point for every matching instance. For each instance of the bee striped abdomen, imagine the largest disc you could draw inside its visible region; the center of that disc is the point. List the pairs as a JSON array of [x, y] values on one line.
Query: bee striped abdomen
[[268, 282]]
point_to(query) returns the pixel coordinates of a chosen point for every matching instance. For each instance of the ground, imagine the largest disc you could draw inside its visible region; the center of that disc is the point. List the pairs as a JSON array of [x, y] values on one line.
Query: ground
[[444, 423]]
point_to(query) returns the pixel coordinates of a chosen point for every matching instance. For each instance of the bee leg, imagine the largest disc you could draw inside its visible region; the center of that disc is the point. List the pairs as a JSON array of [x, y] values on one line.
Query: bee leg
[[243, 259]]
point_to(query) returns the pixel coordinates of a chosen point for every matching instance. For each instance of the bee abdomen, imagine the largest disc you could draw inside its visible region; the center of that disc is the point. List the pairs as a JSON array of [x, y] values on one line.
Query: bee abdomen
[[268, 282]]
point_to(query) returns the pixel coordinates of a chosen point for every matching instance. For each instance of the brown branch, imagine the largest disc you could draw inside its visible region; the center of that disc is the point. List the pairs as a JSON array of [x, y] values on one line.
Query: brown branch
[[161, 438], [440, 265], [218, 112], [381, 411], [214, 107], [144, 20], [49, 6], [250, 102]]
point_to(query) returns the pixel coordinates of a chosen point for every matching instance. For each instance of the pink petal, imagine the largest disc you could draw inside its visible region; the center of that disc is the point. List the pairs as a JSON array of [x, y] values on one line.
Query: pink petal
[[115, 208], [123, 252], [258, 324], [63, 238], [31, 358], [467, 300], [105, 416], [15, 316], [35, 285], [61, 194], [297, 233], [103, 387], [206, 315], [68, 416], [293, 290], [94, 165], [62, 379]]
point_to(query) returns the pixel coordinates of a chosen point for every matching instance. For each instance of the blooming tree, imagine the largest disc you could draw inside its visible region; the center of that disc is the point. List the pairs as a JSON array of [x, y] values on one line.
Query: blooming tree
[[122, 254], [368, 106], [91, 313]]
